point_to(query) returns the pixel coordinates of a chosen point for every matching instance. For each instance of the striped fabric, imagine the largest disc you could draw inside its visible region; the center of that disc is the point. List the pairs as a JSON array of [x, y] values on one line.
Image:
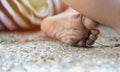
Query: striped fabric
[[26, 14]]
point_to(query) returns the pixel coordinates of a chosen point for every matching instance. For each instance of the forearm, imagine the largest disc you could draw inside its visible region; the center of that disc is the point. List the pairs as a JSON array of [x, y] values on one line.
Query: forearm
[[104, 11]]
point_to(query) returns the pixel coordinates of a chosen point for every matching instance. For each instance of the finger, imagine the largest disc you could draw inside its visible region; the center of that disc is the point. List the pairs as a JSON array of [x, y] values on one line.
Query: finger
[[91, 39], [81, 44]]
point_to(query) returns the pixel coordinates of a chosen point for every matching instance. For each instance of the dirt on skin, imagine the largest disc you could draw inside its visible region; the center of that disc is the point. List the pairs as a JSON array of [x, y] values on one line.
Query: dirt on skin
[[33, 52]]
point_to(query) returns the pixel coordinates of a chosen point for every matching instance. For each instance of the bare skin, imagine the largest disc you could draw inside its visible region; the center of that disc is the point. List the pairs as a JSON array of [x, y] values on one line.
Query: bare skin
[[106, 12], [71, 28]]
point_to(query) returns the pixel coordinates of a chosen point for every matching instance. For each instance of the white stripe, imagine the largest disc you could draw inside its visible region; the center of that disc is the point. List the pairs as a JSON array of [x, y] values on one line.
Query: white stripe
[[58, 5], [24, 12], [7, 21], [15, 16]]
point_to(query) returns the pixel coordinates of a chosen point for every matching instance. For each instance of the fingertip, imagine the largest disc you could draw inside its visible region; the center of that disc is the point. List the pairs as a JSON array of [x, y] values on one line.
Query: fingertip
[[89, 42], [95, 31], [81, 44]]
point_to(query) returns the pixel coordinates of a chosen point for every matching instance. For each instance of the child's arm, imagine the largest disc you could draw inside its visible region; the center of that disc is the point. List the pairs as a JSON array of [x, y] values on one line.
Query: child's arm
[[106, 12]]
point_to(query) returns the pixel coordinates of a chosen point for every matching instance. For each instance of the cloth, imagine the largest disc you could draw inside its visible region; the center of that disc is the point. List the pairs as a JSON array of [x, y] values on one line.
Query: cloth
[[25, 13]]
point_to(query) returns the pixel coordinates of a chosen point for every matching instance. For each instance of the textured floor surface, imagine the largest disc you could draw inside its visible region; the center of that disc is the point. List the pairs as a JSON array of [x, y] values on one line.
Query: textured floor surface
[[32, 52]]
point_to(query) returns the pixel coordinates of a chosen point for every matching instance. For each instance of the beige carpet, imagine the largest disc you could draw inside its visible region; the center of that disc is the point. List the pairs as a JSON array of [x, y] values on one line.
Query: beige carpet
[[32, 52]]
